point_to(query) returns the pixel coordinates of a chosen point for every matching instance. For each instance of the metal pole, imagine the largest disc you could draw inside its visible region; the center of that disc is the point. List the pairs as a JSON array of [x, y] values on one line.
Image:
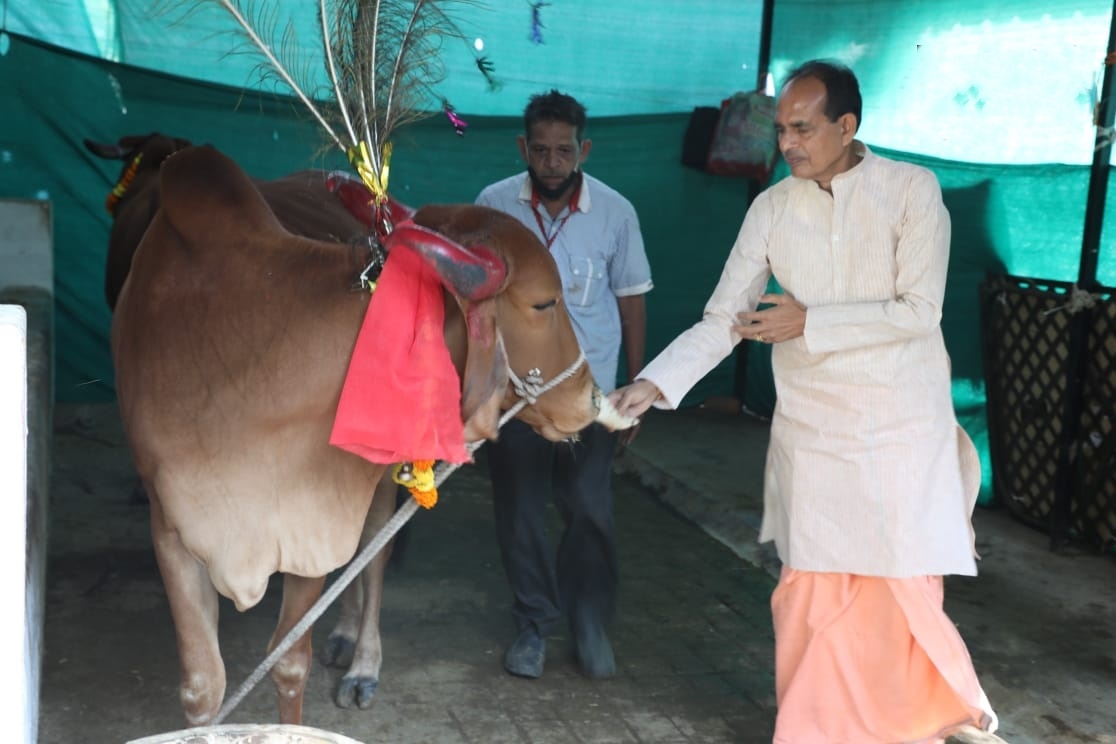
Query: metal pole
[[1061, 517], [763, 62], [1099, 175], [765, 43]]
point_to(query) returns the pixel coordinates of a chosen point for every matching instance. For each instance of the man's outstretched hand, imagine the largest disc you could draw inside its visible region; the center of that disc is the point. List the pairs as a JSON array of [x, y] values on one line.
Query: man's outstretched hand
[[636, 398]]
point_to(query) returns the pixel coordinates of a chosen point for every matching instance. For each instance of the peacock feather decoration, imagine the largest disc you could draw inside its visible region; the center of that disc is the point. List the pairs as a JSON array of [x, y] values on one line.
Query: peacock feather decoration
[[382, 59]]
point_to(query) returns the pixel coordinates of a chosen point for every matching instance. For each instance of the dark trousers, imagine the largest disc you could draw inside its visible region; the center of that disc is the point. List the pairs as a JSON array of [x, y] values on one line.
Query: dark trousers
[[527, 471]]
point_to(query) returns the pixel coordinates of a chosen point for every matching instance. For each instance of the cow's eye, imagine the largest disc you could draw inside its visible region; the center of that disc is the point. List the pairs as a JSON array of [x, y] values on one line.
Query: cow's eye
[[545, 305]]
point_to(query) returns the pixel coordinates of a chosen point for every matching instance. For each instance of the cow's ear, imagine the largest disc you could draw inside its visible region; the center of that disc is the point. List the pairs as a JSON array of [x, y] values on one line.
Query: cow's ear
[[486, 372]]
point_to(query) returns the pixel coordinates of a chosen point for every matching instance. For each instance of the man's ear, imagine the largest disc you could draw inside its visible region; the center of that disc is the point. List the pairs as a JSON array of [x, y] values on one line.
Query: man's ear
[[586, 146], [848, 127], [521, 140]]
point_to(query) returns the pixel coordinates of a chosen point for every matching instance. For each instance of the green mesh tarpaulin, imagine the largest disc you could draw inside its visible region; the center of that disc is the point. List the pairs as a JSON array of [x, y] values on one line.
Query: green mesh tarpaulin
[[650, 56]]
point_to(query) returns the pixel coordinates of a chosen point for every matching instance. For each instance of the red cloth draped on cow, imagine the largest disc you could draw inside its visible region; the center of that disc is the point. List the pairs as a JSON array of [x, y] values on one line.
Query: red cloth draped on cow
[[401, 400]]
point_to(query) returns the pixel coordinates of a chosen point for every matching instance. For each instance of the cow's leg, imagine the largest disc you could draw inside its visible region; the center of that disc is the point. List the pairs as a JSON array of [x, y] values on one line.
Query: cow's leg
[[194, 607], [363, 676], [293, 669], [339, 646]]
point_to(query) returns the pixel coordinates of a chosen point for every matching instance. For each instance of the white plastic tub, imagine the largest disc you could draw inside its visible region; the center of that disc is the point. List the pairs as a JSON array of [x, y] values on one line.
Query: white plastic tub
[[247, 734]]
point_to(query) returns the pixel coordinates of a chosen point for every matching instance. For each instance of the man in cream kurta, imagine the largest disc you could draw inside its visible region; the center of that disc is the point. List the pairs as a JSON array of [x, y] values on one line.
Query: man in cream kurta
[[864, 469], [868, 473]]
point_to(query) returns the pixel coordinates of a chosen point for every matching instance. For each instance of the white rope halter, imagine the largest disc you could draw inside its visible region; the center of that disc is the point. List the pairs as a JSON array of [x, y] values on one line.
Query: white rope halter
[[531, 387]]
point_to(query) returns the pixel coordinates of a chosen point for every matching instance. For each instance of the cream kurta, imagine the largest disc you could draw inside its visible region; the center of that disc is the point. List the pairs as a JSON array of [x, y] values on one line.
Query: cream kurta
[[867, 470]]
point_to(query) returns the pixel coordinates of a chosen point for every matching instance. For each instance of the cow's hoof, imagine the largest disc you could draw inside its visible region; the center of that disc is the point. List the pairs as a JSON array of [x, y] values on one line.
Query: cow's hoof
[[356, 690], [338, 651]]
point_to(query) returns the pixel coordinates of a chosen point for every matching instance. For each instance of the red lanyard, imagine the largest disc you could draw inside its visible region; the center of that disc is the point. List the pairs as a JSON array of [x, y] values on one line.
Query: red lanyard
[[572, 207]]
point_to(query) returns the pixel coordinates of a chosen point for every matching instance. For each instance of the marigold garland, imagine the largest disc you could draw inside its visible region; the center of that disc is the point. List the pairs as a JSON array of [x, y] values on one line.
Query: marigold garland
[[122, 185], [418, 478]]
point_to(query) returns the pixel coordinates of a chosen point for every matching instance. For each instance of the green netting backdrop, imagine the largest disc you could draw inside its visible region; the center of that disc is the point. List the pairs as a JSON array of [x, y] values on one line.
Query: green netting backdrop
[[1014, 174]]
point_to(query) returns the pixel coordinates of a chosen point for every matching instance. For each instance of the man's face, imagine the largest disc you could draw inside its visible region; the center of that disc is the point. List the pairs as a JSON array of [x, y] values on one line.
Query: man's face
[[813, 146], [553, 157]]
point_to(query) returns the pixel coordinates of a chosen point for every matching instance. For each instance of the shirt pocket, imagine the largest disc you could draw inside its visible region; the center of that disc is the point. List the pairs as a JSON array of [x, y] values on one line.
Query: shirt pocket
[[588, 280]]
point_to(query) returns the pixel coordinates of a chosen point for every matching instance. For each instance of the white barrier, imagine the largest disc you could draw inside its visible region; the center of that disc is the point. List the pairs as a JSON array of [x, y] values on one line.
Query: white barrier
[[26, 429], [15, 621]]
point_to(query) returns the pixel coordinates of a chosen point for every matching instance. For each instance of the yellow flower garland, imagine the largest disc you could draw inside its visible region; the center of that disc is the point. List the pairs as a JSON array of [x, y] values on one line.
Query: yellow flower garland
[[418, 478]]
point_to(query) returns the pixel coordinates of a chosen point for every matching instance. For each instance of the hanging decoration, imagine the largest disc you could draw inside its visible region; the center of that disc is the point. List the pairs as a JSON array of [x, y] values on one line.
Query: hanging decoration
[[459, 124], [484, 64], [536, 21]]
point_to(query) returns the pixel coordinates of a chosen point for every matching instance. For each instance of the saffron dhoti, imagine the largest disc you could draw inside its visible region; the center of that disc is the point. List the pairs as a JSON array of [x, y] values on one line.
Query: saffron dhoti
[[869, 660]]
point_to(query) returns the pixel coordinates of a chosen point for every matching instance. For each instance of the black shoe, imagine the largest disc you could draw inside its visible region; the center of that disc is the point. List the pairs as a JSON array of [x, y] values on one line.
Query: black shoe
[[525, 657], [594, 652]]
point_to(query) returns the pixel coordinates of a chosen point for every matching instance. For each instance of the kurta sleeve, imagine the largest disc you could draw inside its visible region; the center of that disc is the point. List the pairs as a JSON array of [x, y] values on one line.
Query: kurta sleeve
[[701, 347], [921, 264]]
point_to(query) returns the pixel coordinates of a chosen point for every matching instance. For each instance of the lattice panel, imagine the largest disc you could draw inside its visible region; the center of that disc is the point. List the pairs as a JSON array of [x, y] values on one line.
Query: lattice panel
[[1094, 512], [1026, 329], [1025, 352]]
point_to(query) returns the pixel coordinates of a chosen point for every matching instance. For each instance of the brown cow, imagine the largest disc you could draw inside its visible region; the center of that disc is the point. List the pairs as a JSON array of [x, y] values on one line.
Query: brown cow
[[304, 207], [231, 339]]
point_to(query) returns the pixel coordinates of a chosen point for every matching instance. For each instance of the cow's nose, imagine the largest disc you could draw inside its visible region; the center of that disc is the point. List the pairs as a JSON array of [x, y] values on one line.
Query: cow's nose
[[607, 415]]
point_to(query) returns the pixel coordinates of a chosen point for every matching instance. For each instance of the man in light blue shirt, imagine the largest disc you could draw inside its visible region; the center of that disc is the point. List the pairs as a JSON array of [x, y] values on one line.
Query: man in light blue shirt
[[593, 234]]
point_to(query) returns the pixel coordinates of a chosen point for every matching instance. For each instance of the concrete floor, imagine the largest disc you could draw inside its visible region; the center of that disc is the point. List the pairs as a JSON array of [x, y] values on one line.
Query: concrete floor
[[110, 670], [692, 637], [1040, 626]]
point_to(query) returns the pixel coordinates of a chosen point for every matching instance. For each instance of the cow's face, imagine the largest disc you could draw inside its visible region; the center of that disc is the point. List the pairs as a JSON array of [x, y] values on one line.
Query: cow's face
[[534, 324], [516, 321]]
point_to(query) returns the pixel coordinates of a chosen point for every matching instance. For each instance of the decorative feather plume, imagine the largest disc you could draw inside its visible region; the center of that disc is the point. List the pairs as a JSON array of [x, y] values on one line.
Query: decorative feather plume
[[381, 58]]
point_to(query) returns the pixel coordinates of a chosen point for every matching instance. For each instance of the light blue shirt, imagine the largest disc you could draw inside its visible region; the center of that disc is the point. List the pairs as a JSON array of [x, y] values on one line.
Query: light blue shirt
[[600, 256]]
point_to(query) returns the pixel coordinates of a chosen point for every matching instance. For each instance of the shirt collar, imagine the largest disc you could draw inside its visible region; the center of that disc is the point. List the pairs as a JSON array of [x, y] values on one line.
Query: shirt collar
[[584, 202], [861, 151]]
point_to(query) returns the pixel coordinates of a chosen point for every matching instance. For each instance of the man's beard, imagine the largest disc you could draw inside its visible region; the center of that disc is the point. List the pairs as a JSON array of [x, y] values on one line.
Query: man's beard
[[552, 193]]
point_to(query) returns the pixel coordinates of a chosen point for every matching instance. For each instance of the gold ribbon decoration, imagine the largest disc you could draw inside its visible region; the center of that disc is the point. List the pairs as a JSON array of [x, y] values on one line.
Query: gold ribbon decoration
[[361, 161]]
